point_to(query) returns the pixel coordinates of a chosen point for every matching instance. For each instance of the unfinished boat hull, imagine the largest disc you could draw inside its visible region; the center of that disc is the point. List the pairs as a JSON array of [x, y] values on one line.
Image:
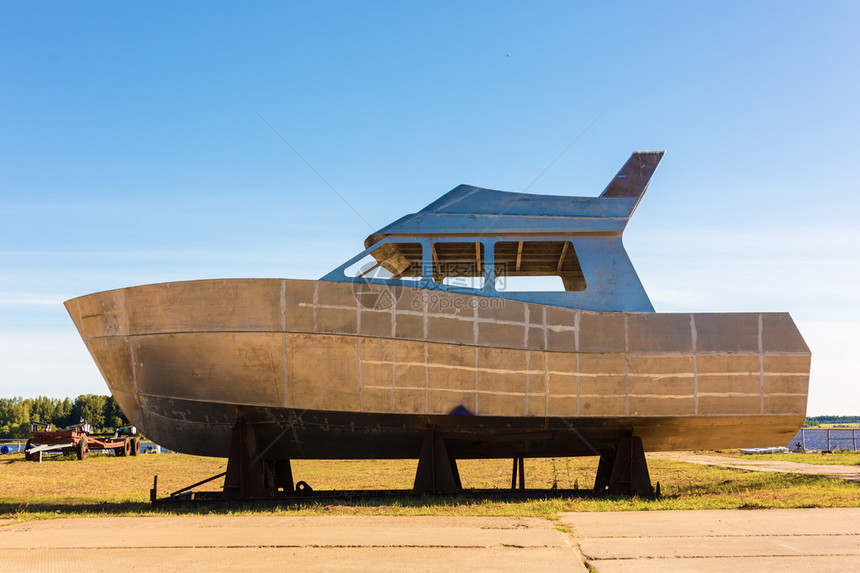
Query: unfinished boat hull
[[349, 370]]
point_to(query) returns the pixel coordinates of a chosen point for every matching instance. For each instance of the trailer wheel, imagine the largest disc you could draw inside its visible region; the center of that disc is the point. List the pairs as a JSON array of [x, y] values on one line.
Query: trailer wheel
[[135, 446], [124, 449], [28, 457], [82, 449]]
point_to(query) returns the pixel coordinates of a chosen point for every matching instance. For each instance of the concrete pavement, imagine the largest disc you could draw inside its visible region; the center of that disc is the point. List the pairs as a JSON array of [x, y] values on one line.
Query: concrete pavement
[[266, 543], [821, 540], [710, 541]]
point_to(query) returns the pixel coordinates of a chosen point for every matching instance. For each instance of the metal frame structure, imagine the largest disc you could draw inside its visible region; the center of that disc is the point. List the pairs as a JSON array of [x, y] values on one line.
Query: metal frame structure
[[252, 478], [593, 225]]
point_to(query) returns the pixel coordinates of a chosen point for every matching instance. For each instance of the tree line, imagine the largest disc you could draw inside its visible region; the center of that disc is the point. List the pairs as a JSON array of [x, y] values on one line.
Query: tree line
[[100, 412], [103, 413]]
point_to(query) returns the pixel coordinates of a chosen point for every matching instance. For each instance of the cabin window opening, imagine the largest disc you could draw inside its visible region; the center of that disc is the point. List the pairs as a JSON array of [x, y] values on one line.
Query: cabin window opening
[[530, 284], [464, 282], [391, 261], [537, 266], [459, 264]]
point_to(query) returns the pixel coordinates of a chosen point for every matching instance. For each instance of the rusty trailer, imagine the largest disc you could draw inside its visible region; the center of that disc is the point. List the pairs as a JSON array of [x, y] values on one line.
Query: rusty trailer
[[78, 440]]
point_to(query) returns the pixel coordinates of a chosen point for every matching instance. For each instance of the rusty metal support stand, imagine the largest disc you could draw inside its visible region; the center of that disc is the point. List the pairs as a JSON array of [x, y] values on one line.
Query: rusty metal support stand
[[518, 465], [245, 479], [604, 470], [456, 471], [279, 476], [437, 471], [625, 470], [247, 476]]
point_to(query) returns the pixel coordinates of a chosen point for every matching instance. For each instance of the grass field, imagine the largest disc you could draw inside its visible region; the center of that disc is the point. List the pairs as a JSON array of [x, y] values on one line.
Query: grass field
[[106, 485]]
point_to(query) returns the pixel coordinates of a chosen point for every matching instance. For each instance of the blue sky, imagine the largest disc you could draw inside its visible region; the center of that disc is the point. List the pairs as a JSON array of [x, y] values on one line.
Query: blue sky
[[131, 149]]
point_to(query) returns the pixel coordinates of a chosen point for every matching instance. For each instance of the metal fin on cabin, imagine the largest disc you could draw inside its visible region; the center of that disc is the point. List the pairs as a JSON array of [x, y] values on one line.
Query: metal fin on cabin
[[632, 180]]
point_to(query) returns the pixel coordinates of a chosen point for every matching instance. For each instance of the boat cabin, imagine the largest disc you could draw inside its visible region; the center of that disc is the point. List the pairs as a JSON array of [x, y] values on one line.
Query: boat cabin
[[558, 251]]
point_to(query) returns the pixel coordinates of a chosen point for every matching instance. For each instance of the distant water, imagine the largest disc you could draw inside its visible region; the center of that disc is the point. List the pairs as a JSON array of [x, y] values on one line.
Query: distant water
[[815, 439], [10, 447]]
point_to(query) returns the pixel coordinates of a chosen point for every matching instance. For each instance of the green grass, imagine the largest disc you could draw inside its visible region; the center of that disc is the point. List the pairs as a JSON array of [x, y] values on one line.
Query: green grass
[[839, 457], [106, 485]]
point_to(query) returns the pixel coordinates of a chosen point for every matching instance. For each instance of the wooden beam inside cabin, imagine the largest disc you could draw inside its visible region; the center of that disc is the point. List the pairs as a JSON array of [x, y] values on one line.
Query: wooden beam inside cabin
[[374, 267], [519, 256], [561, 258]]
